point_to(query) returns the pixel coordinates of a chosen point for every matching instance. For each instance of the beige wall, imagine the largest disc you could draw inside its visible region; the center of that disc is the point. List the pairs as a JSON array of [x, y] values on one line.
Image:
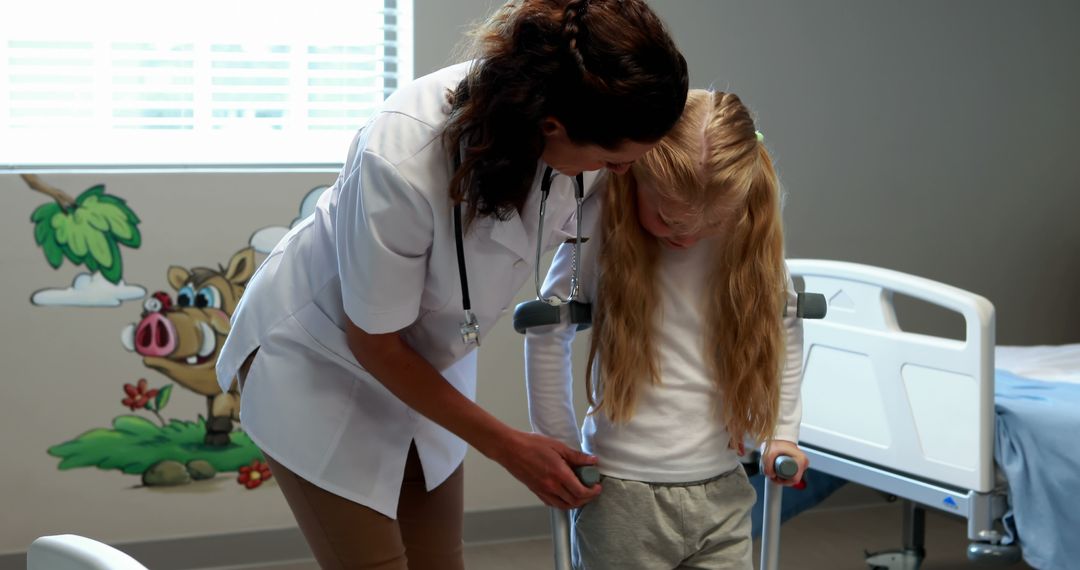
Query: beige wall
[[64, 367], [932, 138]]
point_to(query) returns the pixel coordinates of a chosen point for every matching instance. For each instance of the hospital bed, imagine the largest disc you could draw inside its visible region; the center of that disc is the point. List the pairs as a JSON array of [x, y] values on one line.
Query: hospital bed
[[923, 418]]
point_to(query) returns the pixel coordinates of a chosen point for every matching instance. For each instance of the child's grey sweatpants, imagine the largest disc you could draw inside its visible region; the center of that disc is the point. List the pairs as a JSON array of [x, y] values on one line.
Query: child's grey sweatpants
[[661, 526]]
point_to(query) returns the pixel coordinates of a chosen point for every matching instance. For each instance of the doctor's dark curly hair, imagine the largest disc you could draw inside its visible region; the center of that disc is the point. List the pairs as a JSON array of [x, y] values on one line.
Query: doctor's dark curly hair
[[606, 69]]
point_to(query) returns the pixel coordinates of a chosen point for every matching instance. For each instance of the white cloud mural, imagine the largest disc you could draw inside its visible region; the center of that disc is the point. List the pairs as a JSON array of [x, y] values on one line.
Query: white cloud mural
[[89, 290]]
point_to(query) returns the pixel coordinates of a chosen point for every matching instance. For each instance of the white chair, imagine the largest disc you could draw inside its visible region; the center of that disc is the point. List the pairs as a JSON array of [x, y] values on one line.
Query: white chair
[[73, 552]]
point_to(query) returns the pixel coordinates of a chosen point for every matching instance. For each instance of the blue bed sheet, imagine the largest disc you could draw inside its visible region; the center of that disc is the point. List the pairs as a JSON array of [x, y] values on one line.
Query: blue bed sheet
[[1037, 448]]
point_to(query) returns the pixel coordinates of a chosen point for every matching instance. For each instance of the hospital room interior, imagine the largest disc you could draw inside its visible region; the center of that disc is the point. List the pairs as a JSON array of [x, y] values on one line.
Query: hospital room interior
[[927, 153]]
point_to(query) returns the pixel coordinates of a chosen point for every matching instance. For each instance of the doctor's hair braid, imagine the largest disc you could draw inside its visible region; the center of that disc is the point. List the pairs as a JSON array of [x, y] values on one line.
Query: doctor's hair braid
[[713, 166], [575, 10], [607, 70]]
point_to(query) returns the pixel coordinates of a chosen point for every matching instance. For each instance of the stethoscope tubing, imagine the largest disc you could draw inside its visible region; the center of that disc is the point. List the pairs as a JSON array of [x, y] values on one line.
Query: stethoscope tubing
[[470, 328], [575, 270]]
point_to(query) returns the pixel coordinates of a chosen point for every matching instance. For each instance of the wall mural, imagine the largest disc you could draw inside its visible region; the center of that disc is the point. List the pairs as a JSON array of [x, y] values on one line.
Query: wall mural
[[87, 231], [177, 335]]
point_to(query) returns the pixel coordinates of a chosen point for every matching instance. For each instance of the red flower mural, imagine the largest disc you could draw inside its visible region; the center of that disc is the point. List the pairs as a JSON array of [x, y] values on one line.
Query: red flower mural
[[253, 475], [138, 396]]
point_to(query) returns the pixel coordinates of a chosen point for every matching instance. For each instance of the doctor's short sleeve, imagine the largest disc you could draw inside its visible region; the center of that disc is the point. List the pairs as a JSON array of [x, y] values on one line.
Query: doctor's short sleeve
[[383, 232]]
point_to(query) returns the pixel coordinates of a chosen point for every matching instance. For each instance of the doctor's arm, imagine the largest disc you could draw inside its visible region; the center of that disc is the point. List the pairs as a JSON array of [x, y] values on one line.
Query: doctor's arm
[[537, 461]]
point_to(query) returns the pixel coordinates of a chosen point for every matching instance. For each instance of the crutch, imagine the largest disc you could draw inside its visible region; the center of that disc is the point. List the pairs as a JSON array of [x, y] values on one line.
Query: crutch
[[560, 520], [786, 468]]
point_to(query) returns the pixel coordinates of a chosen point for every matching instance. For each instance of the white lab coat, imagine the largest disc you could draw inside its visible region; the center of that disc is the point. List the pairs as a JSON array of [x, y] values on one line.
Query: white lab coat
[[379, 250]]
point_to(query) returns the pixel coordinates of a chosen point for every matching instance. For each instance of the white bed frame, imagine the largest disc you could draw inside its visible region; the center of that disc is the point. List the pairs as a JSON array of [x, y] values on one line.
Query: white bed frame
[[908, 414]]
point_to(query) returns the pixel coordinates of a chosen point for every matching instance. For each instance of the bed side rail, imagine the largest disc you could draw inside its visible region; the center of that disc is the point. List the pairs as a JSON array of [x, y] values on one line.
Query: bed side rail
[[911, 402]]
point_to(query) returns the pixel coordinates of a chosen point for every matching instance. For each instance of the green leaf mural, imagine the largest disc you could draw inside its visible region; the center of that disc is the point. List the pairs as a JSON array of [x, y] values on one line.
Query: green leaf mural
[[88, 230], [162, 398]]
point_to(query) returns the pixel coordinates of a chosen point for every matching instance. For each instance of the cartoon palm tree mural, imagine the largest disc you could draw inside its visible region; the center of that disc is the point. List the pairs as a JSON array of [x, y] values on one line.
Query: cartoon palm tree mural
[[87, 230]]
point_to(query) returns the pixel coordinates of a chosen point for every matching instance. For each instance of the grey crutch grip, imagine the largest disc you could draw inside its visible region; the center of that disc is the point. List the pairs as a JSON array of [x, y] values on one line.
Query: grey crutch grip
[[811, 306], [589, 475], [785, 467], [538, 313]]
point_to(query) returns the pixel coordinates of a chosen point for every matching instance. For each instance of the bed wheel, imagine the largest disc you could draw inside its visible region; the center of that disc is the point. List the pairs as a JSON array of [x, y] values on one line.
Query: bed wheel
[[993, 554]]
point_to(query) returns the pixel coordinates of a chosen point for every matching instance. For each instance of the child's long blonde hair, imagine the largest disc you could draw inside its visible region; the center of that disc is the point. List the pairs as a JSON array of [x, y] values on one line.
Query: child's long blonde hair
[[713, 164]]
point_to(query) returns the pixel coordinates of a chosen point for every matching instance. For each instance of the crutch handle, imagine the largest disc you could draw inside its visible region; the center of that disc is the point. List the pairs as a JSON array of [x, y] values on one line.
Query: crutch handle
[[785, 467], [811, 306], [589, 475]]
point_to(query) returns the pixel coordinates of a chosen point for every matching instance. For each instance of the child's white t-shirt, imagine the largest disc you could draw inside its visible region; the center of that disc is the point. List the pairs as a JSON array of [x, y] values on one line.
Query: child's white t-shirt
[[675, 434]]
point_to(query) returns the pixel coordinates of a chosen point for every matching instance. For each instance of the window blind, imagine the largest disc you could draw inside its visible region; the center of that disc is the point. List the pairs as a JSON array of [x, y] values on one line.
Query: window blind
[[226, 83]]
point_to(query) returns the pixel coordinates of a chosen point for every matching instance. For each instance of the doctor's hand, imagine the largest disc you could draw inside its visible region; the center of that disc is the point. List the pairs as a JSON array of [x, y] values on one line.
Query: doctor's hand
[[545, 465], [778, 447]]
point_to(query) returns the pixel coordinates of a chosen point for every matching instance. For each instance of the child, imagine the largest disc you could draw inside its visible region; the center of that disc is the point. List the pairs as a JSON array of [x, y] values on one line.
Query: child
[[694, 347]]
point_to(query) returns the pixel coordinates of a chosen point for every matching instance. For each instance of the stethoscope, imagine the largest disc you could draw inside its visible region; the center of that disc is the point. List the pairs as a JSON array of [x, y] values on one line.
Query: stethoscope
[[542, 310]]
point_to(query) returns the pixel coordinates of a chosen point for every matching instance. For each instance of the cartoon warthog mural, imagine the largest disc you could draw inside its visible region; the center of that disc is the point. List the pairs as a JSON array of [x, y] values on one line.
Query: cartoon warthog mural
[[181, 339]]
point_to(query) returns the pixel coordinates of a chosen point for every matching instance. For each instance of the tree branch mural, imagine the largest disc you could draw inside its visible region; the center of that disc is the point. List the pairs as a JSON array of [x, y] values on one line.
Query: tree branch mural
[[57, 194]]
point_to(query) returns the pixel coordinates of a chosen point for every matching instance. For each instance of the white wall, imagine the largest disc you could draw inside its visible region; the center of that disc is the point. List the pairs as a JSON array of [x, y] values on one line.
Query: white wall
[[936, 138]]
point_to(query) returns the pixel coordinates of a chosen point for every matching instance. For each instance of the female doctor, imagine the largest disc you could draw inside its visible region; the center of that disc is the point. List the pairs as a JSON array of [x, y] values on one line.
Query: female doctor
[[354, 343]]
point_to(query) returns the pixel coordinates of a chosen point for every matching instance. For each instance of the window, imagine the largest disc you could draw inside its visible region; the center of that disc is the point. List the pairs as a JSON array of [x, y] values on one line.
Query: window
[[201, 83]]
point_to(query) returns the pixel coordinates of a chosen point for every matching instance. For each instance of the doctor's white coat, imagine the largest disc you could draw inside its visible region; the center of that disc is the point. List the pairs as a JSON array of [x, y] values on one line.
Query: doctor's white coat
[[379, 250]]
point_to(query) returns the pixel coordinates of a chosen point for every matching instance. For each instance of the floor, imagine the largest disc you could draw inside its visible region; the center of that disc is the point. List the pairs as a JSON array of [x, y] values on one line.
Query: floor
[[832, 536]]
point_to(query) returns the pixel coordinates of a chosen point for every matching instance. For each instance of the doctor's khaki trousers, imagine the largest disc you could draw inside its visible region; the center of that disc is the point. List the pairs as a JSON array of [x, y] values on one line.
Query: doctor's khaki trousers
[[344, 535]]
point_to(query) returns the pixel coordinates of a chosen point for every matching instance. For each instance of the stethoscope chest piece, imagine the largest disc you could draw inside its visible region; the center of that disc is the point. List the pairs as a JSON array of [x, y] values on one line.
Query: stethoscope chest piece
[[470, 329]]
